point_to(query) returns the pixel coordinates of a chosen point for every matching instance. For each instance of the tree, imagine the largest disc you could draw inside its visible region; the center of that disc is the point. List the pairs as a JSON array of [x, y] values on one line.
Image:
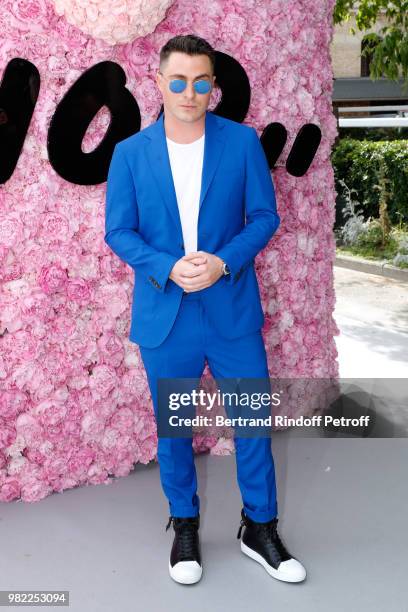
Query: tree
[[388, 48]]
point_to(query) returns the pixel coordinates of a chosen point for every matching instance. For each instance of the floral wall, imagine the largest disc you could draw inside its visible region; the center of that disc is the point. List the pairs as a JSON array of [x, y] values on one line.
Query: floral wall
[[75, 407]]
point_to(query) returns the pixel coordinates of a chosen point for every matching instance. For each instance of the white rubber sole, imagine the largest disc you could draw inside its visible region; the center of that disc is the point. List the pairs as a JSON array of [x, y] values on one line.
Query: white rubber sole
[[189, 575], [291, 570]]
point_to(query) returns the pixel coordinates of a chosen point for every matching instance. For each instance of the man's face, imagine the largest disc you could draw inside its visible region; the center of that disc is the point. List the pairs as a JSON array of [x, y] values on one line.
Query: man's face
[[187, 106]]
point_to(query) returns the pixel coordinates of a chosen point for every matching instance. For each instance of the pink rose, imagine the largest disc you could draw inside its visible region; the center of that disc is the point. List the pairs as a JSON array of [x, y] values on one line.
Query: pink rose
[[11, 230], [232, 30], [10, 490], [52, 278], [102, 381], [7, 433], [54, 227], [35, 15], [78, 290], [34, 490]]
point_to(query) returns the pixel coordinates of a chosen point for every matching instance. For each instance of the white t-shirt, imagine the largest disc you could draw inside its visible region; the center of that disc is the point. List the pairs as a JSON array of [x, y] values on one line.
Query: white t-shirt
[[186, 161]]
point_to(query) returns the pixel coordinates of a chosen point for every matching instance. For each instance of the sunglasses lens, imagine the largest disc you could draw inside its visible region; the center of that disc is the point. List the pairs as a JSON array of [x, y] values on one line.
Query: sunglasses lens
[[177, 85], [202, 87]]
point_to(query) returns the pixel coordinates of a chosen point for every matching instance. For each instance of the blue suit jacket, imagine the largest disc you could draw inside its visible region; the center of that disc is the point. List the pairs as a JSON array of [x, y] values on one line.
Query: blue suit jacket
[[237, 218]]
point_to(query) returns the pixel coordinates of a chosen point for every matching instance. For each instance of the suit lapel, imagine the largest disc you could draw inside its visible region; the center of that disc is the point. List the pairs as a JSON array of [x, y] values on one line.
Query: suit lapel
[[158, 157], [214, 143]]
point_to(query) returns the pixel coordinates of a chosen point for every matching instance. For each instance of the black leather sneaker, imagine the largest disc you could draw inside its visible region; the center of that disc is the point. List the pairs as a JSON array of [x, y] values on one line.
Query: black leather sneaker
[[185, 557], [261, 542]]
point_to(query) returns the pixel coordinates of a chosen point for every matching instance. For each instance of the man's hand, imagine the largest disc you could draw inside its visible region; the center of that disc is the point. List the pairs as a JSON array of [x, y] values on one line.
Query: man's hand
[[196, 271]]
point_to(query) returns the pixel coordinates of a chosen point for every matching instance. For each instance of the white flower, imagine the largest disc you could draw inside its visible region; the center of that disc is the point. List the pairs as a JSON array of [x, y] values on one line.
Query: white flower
[[113, 21]]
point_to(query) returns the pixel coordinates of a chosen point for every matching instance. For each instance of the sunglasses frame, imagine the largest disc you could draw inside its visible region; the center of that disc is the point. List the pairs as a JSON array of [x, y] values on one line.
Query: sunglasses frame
[[183, 81]]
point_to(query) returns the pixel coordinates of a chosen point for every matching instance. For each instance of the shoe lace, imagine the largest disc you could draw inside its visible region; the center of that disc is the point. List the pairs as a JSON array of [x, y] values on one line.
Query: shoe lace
[[186, 530], [267, 531]]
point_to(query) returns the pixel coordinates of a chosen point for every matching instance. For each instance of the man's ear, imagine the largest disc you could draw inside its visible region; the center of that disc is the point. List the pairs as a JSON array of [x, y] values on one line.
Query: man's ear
[[158, 79]]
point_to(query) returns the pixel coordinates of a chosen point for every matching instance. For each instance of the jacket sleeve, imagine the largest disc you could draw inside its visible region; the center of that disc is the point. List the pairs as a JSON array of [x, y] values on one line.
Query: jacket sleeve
[[122, 222], [262, 219]]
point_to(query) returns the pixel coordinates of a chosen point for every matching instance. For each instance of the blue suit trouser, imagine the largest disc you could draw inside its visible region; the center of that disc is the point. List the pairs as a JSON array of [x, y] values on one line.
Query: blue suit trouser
[[191, 341]]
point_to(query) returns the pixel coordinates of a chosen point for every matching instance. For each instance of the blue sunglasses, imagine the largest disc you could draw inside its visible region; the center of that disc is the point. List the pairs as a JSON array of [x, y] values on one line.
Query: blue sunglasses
[[179, 85]]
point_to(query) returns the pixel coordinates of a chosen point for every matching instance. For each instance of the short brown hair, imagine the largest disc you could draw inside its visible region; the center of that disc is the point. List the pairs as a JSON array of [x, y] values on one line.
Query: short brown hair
[[190, 44]]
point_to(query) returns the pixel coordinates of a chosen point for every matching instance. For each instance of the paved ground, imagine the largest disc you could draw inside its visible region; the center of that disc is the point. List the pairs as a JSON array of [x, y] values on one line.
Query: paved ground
[[372, 314]]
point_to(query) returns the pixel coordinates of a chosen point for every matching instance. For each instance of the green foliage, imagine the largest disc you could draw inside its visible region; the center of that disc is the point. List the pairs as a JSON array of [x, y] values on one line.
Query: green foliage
[[401, 258], [384, 219], [389, 47], [373, 236], [375, 134], [355, 225], [374, 170], [373, 249]]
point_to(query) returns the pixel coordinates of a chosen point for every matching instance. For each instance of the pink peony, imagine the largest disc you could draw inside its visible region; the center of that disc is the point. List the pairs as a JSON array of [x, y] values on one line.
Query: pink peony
[[52, 278], [113, 21]]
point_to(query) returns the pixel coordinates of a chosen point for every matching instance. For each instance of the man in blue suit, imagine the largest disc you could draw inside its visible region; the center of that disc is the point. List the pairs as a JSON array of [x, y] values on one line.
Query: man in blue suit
[[190, 203]]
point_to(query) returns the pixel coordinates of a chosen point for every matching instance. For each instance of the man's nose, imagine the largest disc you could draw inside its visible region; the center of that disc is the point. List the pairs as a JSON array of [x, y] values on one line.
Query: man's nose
[[189, 91]]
